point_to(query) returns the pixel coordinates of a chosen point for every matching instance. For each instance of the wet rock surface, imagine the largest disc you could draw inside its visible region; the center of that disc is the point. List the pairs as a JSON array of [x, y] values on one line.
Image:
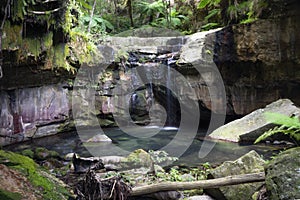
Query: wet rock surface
[[283, 175]]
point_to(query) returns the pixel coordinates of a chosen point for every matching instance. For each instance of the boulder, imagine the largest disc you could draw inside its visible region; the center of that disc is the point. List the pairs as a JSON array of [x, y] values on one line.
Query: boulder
[[250, 127], [249, 163], [138, 159], [194, 49], [283, 175]]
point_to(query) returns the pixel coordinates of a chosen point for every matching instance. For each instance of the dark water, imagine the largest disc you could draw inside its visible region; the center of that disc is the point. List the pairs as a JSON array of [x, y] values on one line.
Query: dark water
[[71, 142]]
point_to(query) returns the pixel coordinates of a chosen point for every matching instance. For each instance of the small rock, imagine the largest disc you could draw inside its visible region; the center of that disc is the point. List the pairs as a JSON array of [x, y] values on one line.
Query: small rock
[[99, 138], [112, 159], [200, 197], [69, 156]]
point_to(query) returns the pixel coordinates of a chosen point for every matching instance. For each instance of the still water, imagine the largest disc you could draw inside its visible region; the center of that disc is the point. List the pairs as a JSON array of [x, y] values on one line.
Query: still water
[[121, 142]]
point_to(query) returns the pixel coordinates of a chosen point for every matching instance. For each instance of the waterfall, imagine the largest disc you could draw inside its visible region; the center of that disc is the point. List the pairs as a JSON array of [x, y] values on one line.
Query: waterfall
[[147, 80], [168, 95]]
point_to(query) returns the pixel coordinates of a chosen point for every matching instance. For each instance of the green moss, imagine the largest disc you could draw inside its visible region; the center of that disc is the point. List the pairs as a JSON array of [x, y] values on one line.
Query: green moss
[[138, 158], [28, 152], [18, 10], [32, 47], [9, 195], [78, 49], [12, 36], [41, 153], [49, 189], [48, 41]]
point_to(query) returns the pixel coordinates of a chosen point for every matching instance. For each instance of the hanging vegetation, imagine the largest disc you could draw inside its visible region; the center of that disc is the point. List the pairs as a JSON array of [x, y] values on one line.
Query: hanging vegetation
[[61, 34], [42, 32]]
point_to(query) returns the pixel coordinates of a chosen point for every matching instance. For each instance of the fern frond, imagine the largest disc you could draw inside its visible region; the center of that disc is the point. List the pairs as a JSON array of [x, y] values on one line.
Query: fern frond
[[288, 126], [281, 119]]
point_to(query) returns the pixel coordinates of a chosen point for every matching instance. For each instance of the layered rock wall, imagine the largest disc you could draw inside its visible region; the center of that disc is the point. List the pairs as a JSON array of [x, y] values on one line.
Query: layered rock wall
[[259, 62], [33, 112]]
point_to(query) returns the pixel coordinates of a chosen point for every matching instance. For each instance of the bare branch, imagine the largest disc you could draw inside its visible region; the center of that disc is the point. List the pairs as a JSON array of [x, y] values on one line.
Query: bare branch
[[44, 12], [211, 183]]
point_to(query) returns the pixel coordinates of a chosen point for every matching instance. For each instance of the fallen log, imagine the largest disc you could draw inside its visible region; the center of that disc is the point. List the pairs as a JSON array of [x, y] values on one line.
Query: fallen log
[[205, 184]]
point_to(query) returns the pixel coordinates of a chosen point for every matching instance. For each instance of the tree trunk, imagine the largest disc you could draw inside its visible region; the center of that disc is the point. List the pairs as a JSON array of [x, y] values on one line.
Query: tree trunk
[[129, 4], [212, 183], [92, 14], [1, 32]]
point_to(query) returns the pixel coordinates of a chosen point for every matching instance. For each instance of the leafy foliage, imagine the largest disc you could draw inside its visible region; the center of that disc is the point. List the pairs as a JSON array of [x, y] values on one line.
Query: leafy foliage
[[237, 11], [288, 126], [152, 10], [98, 24]]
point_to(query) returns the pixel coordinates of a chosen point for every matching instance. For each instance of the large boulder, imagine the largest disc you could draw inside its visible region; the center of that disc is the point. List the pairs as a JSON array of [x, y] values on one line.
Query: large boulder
[[250, 127], [249, 163], [283, 175]]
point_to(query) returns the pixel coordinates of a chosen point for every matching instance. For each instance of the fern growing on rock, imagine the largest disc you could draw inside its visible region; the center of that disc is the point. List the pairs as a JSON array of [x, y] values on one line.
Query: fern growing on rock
[[287, 125]]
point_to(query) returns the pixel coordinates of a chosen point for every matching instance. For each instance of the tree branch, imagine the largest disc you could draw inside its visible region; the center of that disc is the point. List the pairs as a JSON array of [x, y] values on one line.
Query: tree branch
[[91, 17], [212, 183], [5, 14], [44, 12]]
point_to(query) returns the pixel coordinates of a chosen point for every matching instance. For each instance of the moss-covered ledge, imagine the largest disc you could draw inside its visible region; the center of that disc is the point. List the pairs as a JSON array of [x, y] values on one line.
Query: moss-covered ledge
[[22, 177]]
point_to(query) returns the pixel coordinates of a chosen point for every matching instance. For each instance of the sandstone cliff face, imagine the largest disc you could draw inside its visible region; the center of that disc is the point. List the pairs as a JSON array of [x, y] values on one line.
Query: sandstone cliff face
[[32, 112], [263, 63], [259, 62]]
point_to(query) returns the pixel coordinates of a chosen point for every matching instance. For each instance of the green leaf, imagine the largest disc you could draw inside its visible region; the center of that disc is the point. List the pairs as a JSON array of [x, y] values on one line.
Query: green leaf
[[84, 4], [212, 13], [203, 3], [281, 119], [209, 26], [288, 126]]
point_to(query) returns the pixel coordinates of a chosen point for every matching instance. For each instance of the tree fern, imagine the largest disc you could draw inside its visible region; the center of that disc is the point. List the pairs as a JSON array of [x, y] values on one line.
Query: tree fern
[[288, 126]]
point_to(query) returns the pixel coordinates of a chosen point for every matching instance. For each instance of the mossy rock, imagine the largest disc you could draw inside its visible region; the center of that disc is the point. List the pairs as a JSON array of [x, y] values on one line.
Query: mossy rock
[[28, 152], [249, 163], [138, 158], [43, 184], [283, 175], [41, 153]]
